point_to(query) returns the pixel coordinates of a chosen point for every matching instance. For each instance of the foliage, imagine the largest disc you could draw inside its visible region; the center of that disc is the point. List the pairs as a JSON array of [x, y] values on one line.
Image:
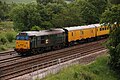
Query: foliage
[[56, 13], [6, 37], [100, 5], [2, 48], [94, 71], [10, 36], [4, 10], [67, 16], [6, 25], [35, 28], [25, 16], [111, 16], [7, 40], [3, 39], [115, 1], [7, 46], [87, 11], [45, 2], [114, 49], [18, 1]]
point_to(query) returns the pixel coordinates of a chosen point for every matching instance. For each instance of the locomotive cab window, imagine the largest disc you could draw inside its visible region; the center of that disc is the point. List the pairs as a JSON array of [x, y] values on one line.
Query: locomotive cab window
[[22, 37]]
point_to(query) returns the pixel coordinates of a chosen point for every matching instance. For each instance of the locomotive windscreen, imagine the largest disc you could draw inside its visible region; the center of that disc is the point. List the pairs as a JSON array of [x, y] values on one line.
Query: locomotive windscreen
[[22, 36]]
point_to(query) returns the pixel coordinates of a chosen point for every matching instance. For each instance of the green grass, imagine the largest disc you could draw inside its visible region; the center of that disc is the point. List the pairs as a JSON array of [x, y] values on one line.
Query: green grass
[[7, 46], [98, 70], [18, 1]]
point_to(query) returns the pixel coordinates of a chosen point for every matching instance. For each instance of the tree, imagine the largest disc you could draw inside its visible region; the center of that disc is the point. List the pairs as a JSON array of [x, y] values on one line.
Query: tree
[[73, 16], [115, 1], [4, 10], [45, 2], [25, 16], [35, 28], [112, 16], [100, 5], [87, 10], [52, 15], [57, 15]]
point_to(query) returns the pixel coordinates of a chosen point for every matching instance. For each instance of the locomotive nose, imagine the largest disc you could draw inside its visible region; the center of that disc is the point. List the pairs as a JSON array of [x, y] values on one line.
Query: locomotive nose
[[22, 44]]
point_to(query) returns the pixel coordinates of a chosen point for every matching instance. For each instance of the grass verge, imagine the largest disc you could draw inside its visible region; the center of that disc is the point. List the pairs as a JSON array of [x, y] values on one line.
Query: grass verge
[[98, 70], [7, 46]]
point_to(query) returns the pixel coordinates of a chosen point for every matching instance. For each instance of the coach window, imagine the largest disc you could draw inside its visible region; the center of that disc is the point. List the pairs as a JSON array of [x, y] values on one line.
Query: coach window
[[81, 33], [72, 33], [91, 31], [100, 29], [105, 28]]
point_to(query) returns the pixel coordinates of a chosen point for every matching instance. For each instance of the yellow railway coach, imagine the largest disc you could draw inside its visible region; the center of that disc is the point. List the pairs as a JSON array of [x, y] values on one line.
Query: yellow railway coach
[[86, 32], [102, 30]]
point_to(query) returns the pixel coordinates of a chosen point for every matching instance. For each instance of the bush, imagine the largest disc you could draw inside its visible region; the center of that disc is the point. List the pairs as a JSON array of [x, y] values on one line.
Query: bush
[[35, 28], [114, 49], [10, 36], [3, 39], [2, 48]]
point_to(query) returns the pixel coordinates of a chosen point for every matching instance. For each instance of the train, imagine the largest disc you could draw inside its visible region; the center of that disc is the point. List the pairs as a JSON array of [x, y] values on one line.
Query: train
[[34, 42]]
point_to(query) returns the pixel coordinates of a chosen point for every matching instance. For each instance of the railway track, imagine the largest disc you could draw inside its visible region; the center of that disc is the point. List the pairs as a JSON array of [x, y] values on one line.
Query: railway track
[[11, 52], [23, 66], [10, 59], [7, 56]]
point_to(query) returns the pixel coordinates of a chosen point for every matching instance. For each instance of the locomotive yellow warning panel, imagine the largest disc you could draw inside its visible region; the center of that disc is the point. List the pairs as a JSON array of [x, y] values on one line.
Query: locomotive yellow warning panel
[[22, 44]]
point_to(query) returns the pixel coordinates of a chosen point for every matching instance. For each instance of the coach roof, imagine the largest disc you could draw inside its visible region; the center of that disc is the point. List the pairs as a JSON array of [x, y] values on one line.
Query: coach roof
[[82, 27]]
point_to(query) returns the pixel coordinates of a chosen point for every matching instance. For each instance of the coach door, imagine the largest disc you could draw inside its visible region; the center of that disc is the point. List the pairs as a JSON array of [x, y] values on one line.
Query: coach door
[[33, 42]]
